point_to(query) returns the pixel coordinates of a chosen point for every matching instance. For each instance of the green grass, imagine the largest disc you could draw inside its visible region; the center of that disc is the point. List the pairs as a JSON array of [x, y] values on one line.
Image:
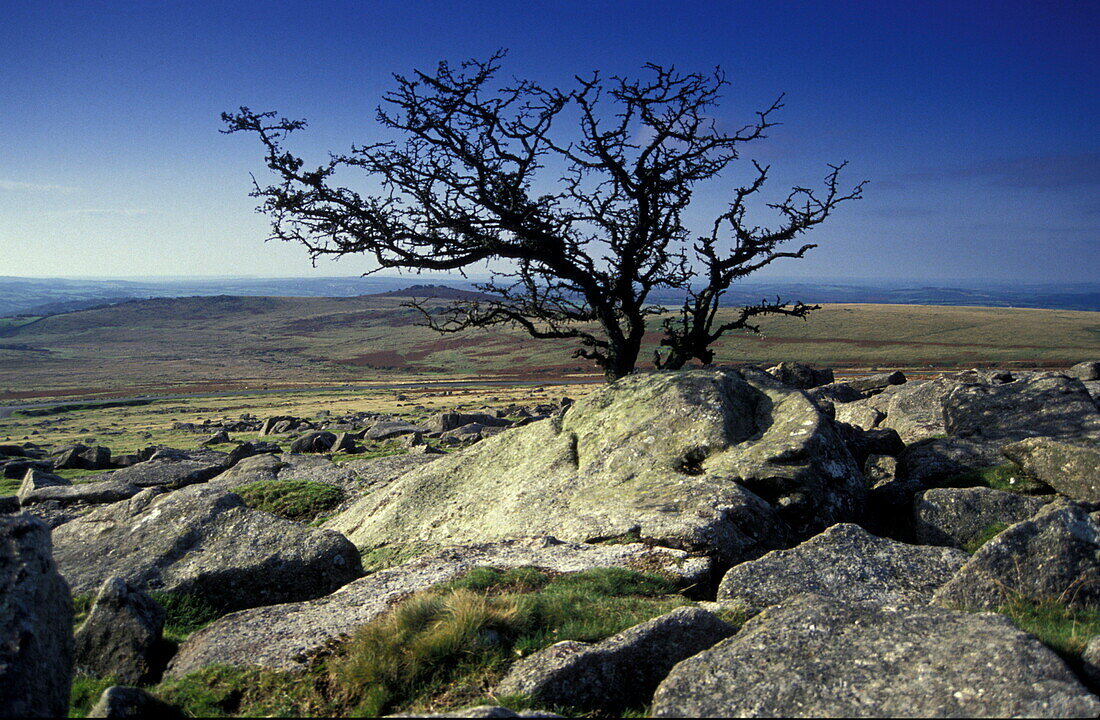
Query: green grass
[[299, 500], [988, 533], [1007, 477], [9, 486], [79, 475], [1065, 630], [85, 691], [440, 649], [184, 614]]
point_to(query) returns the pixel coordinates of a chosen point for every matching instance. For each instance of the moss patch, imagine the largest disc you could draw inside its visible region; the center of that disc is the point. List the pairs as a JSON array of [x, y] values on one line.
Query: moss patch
[[1065, 630], [1008, 477], [300, 500], [85, 691], [988, 533]]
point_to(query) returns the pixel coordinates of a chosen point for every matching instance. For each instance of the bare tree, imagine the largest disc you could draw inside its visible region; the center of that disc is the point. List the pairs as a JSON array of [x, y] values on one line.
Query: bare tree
[[577, 258]]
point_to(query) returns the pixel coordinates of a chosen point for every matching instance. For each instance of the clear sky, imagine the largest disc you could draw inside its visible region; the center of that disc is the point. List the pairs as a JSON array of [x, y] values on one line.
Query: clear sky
[[976, 122]]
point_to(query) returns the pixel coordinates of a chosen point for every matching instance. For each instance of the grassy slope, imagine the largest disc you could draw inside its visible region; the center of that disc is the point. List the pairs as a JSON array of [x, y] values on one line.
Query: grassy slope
[[195, 344]]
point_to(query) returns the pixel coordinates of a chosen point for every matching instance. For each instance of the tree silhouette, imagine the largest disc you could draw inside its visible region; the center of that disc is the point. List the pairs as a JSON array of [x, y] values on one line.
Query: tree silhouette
[[573, 258]]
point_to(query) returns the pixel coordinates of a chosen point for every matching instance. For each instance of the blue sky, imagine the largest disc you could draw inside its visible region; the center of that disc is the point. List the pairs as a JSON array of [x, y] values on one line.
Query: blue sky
[[976, 123]]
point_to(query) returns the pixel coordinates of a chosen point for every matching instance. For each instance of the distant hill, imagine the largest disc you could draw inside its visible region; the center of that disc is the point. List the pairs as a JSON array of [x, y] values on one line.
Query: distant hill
[[440, 292], [197, 344], [30, 296]]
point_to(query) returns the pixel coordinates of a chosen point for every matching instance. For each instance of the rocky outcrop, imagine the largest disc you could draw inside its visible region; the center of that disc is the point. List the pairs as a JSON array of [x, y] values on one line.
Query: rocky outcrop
[[36, 620], [818, 657], [1039, 406], [724, 462], [928, 462], [957, 516], [1054, 555], [283, 636], [619, 672], [915, 409], [168, 472], [844, 562], [203, 541], [1070, 468], [318, 441], [1085, 371], [119, 639], [877, 382]]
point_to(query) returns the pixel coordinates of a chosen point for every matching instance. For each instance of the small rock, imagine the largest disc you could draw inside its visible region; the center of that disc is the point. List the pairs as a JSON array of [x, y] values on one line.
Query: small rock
[[118, 701], [120, 637], [1071, 469], [619, 672], [956, 516]]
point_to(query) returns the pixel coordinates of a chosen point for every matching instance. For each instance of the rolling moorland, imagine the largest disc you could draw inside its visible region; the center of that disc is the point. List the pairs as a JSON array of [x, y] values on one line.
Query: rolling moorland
[[209, 344]]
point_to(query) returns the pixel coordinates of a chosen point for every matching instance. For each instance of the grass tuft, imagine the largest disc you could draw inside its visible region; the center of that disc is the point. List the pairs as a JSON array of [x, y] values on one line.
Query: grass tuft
[[299, 500], [440, 649], [85, 691], [1063, 629], [184, 614]]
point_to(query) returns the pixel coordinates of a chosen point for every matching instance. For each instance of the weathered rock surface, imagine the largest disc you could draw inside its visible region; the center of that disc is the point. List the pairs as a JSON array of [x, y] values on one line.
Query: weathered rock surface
[[714, 460], [119, 701], [318, 441], [203, 541], [36, 621], [450, 420], [386, 429], [928, 462], [1038, 406], [619, 672], [1053, 555], [483, 711], [120, 635], [83, 457], [91, 493], [801, 376], [1070, 468], [282, 636], [847, 563], [955, 516], [36, 479], [168, 473], [814, 656], [915, 409], [1090, 662], [1085, 371], [859, 414], [876, 383]]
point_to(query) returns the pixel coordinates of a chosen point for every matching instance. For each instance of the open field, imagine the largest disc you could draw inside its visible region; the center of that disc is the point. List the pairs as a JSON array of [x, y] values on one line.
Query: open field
[[206, 344]]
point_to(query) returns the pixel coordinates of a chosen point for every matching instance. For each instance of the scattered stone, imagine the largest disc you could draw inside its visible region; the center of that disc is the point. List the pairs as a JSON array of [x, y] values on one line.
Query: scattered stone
[[163, 471], [956, 516], [1090, 662], [915, 409], [619, 672], [1071, 469], [92, 493], [1053, 555], [37, 479], [450, 420], [798, 375], [847, 563], [318, 441], [818, 657], [872, 384], [36, 623], [718, 461], [1084, 371], [120, 637], [118, 701], [384, 430], [203, 541], [283, 636], [219, 438], [81, 457], [838, 393]]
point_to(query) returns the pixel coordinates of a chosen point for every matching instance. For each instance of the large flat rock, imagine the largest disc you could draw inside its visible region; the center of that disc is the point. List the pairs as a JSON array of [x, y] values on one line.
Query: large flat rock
[[203, 541], [818, 657], [282, 636], [847, 563], [731, 463]]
